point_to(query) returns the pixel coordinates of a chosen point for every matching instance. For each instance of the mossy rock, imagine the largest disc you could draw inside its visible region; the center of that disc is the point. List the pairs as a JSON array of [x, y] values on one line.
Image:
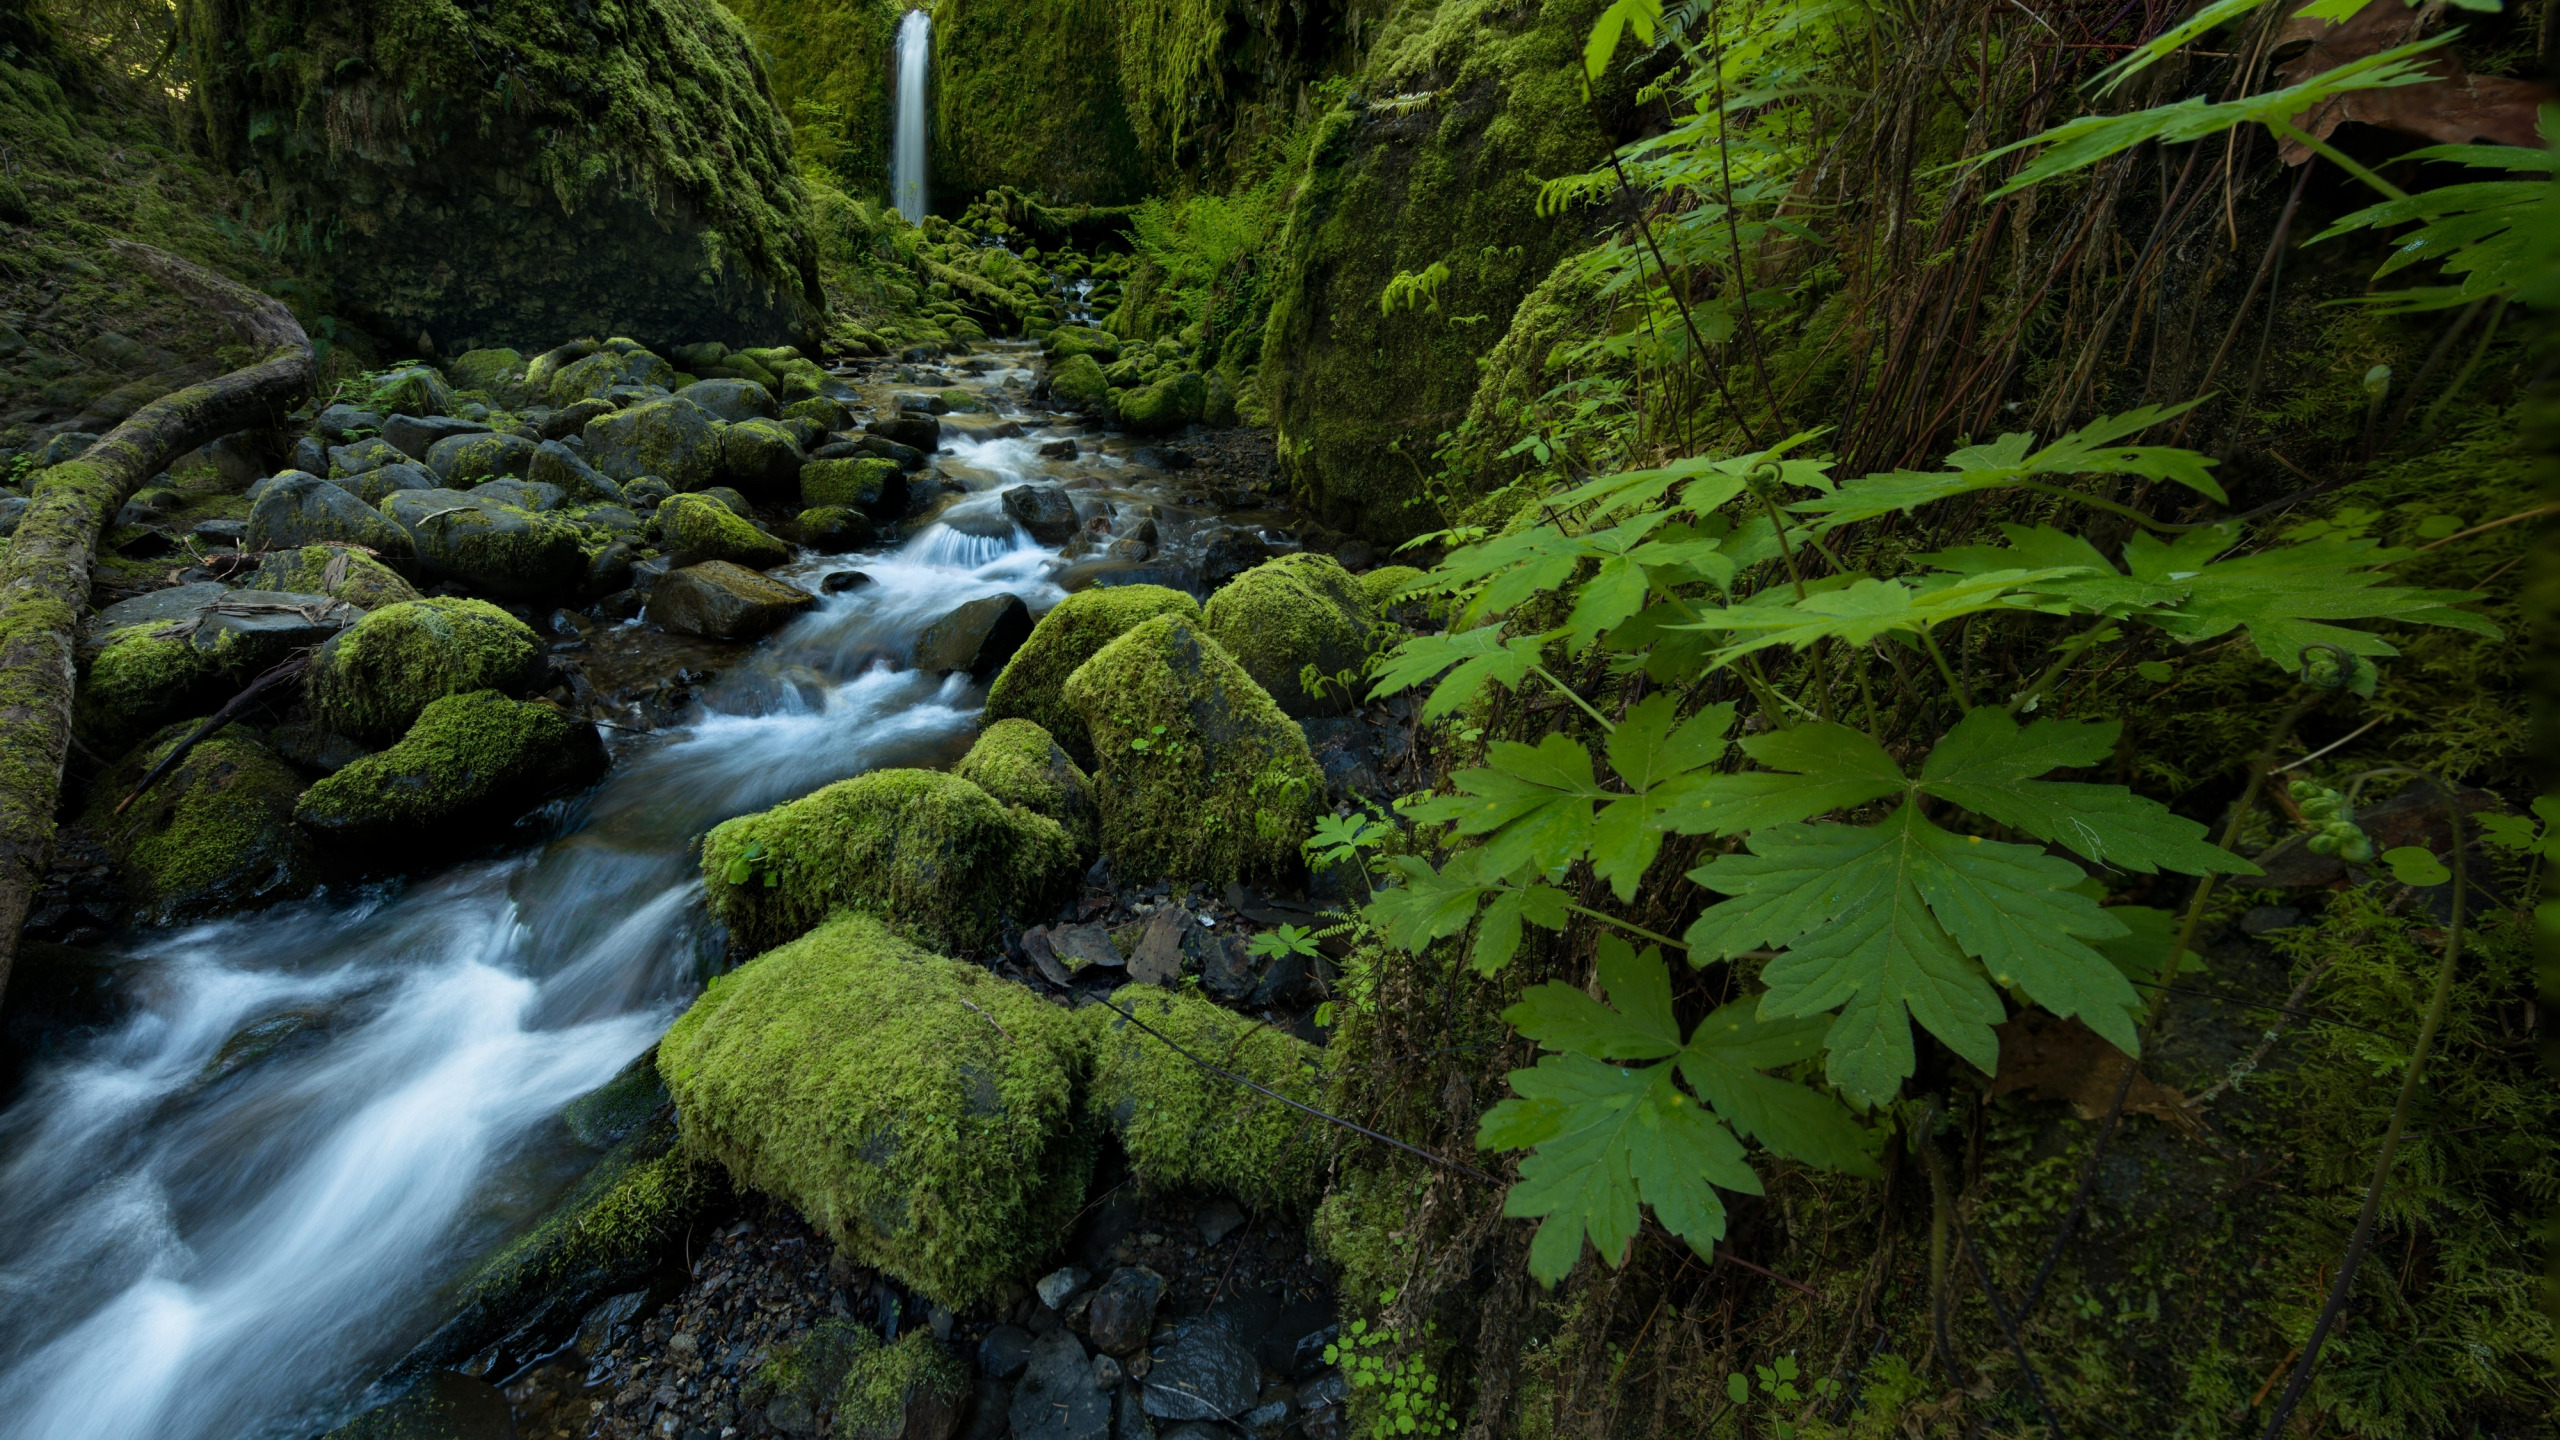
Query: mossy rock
[[1077, 383], [1184, 1128], [1201, 776], [1384, 584], [1030, 686], [702, 527], [1163, 406], [1284, 615], [496, 372], [139, 682], [761, 457], [933, 855], [913, 1388], [1069, 341], [462, 461], [1018, 763], [835, 530], [673, 439], [337, 571], [473, 758], [868, 483], [932, 1138], [602, 372], [212, 836], [446, 1405], [411, 390], [489, 544], [373, 679]]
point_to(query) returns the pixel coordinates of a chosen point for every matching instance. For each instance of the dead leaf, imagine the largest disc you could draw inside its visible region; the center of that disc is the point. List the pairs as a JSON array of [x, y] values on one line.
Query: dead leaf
[[2057, 1059], [2456, 108]]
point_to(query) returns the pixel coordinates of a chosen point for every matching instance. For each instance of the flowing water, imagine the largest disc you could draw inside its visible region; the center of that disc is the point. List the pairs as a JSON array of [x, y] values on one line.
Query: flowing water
[[906, 140], [226, 1212]]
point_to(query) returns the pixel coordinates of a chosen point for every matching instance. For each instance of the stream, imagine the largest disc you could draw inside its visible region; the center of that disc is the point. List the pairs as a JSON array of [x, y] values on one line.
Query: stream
[[225, 1212]]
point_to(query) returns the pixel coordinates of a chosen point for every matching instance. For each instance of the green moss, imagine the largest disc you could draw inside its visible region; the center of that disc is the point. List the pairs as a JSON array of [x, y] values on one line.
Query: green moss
[[1031, 684], [1201, 777], [861, 482], [213, 835], [410, 390], [1077, 383], [1018, 763], [700, 526], [803, 1374], [1186, 1128], [493, 372], [373, 678], [673, 439], [882, 1384], [139, 682], [935, 856], [1165, 405], [930, 1137], [362, 581], [1284, 615], [1383, 584], [469, 756], [1026, 94]]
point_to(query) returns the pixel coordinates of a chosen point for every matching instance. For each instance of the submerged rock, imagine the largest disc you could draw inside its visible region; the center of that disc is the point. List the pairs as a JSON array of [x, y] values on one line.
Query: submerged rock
[[372, 681], [479, 758], [1287, 614], [722, 601], [914, 1108], [1032, 683], [1201, 776], [213, 835], [1018, 763], [932, 854], [977, 636]]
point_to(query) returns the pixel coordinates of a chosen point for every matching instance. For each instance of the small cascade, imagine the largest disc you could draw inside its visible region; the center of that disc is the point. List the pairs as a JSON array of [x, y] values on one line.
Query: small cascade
[[906, 145]]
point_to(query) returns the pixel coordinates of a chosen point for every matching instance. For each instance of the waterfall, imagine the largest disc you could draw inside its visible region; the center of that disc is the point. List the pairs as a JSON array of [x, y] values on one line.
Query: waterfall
[[906, 151]]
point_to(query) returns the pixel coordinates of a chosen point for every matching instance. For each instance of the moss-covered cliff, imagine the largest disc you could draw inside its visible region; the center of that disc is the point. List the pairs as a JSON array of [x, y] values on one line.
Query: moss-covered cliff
[[508, 173]]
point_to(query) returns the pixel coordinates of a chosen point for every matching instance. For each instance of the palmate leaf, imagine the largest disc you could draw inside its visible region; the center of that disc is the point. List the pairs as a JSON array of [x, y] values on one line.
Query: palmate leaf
[[1867, 608], [1988, 765], [1884, 923], [2497, 237], [1464, 662], [2011, 460]]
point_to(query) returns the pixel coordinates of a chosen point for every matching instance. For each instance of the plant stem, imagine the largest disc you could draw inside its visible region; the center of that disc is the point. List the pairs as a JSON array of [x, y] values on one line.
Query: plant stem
[[1567, 692], [2330, 153], [1632, 929], [2072, 649], [1964, 697]]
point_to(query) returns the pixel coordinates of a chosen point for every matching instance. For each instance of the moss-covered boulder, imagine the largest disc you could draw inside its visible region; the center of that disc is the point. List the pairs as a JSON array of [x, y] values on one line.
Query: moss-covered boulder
[[721, 601], [868, 483], [297, 509], [1077, 383], [731, 400], [1018, 763], [1032, 683], [555, 464], [462, 461], [705, 529], [1200, 775], [608, 369], [1068, 341], [372, 680], [913, 1390], [1284, 615], [672, 439], [213, 835], [761, 458], [834, 530], [139, 681], [1184, 1128], [932, 854], [340, 572], [497, 373], [411, 390], [1165, 405], [474, 759], [489, 544], [917, 1109]]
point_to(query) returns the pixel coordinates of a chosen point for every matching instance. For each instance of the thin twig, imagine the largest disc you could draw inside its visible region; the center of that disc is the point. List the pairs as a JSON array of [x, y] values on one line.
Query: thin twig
[[291, 666], [2008, 1331]]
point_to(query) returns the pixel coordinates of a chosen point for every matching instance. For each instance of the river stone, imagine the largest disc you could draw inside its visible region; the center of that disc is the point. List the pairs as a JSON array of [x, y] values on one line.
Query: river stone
[[1056, 1399], [556, 464], [488, 544], [605, 371], [298, 509], [1077, 383], [479, 758], [1044, 510], [356, 457], [332, 570], [921, 402], [523, 494], [373, 486], [416, 434], [761, 457], [205, 839], [922, 432], [881, 447], [340, 424], [978, 637], [701, 528], [672, 439], [1204, 1374], [1005, 1351], [571, 420], [872, 485], [835, 530], [721, 601], [472, 458], [731, 400], [13, 508], [1124, 1310], [445, 1406]]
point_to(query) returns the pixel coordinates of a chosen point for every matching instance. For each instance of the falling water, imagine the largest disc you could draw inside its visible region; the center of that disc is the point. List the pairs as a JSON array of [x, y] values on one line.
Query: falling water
[[906, 151]]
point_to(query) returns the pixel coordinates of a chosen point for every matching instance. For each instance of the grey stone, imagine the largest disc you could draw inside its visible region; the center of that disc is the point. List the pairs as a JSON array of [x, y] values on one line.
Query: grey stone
[[1062, 1285], [13, 508], [1196, 1430], [1229, 554], [417, 434], [1081, 947], [1058, 450], [1203, 1374], [1124, 1310], [1323, 1406], [300, 509], [1056, 1399], [1217, 1220], [482, 541], [556, 464], [722, 601], [224, 533], [342, 423], [883, 448], [1173, 944], [1044, 510], [839, 581], [990, 1401], [610, 569], [523, 494], [1131, 1422], [732, 400], [312, 748], [1106, 1372], [922, 402], [645, 492], [922, 433], [2261, 919], [1263, 1417], [356, 457], [480, 457], [672, 439], [570, 421], [374, 486], [312, 454], [175, 603], [1228, 971], [978, 636], [1005, 1351], [69, 445], [264, 626]]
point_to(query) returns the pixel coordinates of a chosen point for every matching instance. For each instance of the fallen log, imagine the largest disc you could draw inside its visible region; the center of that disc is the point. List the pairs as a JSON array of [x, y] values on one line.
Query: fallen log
[[44, 578]]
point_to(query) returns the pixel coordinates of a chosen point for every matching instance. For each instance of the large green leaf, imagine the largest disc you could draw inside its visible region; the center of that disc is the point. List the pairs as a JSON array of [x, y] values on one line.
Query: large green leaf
[[1988, 765], [1867, 608], [1814, 769], [2011, 460], [2285, 596], [1463, 661]]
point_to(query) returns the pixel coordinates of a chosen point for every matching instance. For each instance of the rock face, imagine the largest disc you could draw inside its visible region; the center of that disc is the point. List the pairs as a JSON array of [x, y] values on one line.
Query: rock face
[[298, 509], [489, 544], [211, 836], [371, 682], [475, 758], [933, 855], [1287, 614], [1223, 784], [1185, 1128], [1044, 510], [671, 439], [978, 636], [569, 200], [1032, 683], [721, 601], [931, 1138], [1018, 763]]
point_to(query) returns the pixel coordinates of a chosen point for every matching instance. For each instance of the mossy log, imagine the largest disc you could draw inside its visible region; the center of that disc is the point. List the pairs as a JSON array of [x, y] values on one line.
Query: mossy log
[[44, 579]]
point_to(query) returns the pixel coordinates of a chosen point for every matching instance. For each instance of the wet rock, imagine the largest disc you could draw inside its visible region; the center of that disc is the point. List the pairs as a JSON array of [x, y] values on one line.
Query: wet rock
[[359, 456], [1124, 1310], [881, 447], [465, 460], [761, 457], [978, 636], [609, 570], [920, 432], [371, 681], [1129, 1420], [835, 530], [1077, 383], [722, 601], [990, 1402], [340, 424], [557, 465], [1324, 1407], [571, 420], [415, 435], [1173, 944], [1058, 450], [701, 528], [922, 403], [204, 839], [1230, 553], [221, 534], [473, 759], [1203, 1374], [1061, 1285], [1162, 457], [672, 439], [1078, 948], [839, 581], [530, 495], [1217, 1220], [874, 486], [1005, 1351], [443, 1406], [490, 545], [646, 493], [731, 400], [298, 509], [309, 747], [1056, 1399], [1045, 510], [250, 630]]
